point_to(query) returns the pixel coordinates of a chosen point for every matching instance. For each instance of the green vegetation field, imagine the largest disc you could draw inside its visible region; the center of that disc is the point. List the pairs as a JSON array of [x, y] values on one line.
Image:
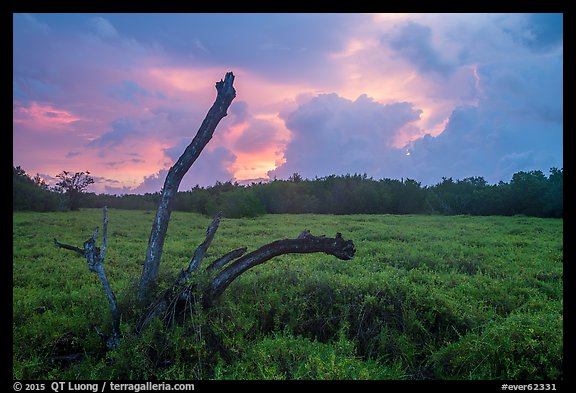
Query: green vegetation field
[[441, 297]]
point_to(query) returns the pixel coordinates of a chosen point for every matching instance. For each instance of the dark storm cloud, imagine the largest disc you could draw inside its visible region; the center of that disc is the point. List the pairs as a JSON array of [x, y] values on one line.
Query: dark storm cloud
[[539, 32], [274, 45], [517, 125], [413, 42]]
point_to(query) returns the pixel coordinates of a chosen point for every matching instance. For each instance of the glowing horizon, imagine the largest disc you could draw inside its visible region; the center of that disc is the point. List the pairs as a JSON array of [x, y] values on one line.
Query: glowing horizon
[[390, 95]]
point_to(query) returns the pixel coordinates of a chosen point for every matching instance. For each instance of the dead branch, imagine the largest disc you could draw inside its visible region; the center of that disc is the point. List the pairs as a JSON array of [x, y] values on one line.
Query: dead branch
[[95, 259], [190, 287], [78, 250], [305, 243], [173, 300], [176, 292], [226, 258], [225, 95], [200, 251]]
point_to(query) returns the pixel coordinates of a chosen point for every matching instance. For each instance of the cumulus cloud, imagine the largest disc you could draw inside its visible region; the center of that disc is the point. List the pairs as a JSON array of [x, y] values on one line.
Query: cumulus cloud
[[210, 167], [413, 41], [526, 88], [487, 87], [331, 134], [477, 142], [239, 110], [258, 135], [517, 125]]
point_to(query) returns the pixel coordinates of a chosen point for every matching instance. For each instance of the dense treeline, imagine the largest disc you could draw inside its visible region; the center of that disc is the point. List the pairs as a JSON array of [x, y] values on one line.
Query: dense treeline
[[529, 193], [32, 193]]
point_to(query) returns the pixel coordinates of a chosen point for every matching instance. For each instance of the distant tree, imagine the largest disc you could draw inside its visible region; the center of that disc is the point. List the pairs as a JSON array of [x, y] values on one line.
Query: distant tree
[[72, 186], [40, 182], [465, 196], [295, 178], [554, 195], [18, 171], [240, 202], [412, 198], [529, 193], [219, 187]]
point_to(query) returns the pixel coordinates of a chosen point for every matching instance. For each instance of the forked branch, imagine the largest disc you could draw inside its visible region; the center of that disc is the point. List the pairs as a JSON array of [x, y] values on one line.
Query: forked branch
[[190, 286], [305, 243], [224, 270], [95, 259]]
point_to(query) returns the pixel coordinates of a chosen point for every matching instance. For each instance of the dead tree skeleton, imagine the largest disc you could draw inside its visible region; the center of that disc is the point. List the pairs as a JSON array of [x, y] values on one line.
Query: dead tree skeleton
[[190, 286]]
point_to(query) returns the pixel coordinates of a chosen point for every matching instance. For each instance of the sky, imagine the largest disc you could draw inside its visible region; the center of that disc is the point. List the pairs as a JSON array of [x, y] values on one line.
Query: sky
[[419, 96]]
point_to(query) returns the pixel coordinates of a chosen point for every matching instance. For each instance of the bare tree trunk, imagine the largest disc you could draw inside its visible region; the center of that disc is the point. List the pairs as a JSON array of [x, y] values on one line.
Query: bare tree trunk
[[226, 94], [95, 259], [190, 287]]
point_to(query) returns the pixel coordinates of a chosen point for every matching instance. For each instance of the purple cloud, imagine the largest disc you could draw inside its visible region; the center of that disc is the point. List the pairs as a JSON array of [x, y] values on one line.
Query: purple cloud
[[239, 110], [131, 82], [331, 134], [517, 125], [121, 129], [211, 165], [260, 135], [129, 91], [413, 42]]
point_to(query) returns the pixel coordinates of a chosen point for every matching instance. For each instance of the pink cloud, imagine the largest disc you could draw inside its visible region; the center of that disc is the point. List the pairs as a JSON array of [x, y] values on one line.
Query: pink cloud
[[41, 116], [112, 97]]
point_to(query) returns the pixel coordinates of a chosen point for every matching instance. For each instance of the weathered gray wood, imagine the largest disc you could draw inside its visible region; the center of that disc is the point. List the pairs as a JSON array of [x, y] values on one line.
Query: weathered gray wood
[[305, 243], [223, 271], [170, 296], [226, 258], [225, 94], [78, 250], [200, 251], [166, 306], [95, 259]]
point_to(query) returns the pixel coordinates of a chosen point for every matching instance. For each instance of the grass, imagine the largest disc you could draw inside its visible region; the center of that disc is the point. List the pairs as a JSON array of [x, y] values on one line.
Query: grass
[[441, 297]]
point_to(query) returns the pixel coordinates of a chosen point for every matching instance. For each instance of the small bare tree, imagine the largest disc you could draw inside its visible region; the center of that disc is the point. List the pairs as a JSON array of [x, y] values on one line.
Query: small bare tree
[[72, 186], [204, 289]]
